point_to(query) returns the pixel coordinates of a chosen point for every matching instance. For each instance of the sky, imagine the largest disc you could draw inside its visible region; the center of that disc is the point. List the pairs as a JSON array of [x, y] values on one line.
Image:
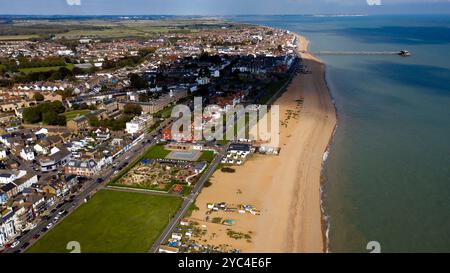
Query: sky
[[220, 7]]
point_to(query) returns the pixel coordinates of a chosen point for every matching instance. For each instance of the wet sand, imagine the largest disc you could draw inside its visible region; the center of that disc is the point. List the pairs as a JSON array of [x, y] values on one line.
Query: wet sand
[[285, 188]]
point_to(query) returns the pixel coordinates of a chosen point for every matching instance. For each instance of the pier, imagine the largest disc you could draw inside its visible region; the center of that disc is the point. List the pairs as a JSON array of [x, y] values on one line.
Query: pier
[[403, 53]]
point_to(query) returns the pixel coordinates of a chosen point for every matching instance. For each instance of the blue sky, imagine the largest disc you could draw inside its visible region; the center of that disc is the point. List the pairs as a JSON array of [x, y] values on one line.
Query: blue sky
[[219, 7]]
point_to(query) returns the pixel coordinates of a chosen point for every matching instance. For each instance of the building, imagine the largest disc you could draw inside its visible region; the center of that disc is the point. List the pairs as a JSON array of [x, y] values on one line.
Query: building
[[82, 122], [167, 249], [27, 153], [58, 157], [25, 181], [78, 123], [138, 124], [159, 104], [85, 168], [7, 228]]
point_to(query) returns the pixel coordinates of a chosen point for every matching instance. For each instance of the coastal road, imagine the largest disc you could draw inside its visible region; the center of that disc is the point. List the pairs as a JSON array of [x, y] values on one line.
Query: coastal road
[[87, 190], [187, 202]]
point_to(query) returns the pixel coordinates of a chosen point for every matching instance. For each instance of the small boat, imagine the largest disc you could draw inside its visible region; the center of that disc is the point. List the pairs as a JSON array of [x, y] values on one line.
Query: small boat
[[404, 53]]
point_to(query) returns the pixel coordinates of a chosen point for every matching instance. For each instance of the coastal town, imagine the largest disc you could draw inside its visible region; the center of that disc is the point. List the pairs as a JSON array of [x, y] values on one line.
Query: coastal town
[[86, 114]]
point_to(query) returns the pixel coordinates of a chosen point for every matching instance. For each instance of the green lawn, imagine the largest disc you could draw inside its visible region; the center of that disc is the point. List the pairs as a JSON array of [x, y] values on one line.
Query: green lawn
[[43, 69], [112, 221], [73, 114], [156, 151], [207, 156]]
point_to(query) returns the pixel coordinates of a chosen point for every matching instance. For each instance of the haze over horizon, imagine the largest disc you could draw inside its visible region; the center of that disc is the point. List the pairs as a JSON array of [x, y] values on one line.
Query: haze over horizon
[[220, 7]]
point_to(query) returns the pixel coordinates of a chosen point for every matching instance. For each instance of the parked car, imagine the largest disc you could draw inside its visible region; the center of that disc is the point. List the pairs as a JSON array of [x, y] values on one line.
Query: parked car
[[61, 212], [25, 245], [49, 226], [15, 244], [36, 236]]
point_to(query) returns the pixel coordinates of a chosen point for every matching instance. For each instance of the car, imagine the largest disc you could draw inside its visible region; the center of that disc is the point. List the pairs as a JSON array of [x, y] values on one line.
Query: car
[[53, 211], [99, 180], [61, 212], [33, 226], [36, 236], [25, 245], [15, 244], [115, 172], [44, 229], [49, 226], [59, 205]]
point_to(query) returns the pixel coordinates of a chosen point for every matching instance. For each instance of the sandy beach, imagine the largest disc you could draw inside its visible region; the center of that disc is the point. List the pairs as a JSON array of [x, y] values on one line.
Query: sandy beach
[[285, 188]]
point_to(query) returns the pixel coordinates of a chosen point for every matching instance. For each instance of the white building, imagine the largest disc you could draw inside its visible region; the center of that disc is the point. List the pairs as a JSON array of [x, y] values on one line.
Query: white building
[[138, 124], [25, 181], [2, 153], [27, 154], [7, 228]]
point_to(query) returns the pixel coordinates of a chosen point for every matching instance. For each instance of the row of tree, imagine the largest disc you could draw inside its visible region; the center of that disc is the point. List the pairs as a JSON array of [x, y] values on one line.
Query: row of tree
[[47, 112]]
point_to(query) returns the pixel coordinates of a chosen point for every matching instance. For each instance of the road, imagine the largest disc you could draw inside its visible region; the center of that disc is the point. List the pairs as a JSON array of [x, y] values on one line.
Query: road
[[88, 189]]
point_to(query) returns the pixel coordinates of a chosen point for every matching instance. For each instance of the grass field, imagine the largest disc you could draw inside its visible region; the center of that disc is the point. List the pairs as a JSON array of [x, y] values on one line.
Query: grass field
[[112, 221], [156, 151], [207, 156], [44, 69], [17, 37], [73, 114]]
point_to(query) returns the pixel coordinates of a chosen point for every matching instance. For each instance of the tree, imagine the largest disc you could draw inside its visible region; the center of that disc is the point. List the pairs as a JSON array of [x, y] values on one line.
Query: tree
[[137, 82], [32, 115], [132, 109], [66, 93], [52, 118], [38, 97], [94, 122]]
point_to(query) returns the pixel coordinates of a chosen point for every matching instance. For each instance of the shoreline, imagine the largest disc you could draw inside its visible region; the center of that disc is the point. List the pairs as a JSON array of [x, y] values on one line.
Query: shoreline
[[325, 217], [294, 222]]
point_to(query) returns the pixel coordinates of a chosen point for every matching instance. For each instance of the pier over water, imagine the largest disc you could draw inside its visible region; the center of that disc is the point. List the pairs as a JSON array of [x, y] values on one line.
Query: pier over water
[[403, 53]]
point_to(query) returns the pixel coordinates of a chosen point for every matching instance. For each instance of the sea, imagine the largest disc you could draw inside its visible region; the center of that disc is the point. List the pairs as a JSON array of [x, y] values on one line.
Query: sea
[[387, 174]]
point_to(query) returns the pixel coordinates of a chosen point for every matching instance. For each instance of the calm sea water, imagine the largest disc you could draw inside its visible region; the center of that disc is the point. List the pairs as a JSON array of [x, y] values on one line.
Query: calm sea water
[[388, 172]]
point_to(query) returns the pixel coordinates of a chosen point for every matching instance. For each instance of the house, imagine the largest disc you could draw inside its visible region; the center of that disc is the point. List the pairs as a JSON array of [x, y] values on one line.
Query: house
[[7, 227], [82, 122], [9, 189], [27, 153], [37, 202], [85, 168], [200, 167], [78, 123], [25, 181], [58, 157], [9, 176], [102, 134], [3, 197], [40, 149], [56, 187]]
